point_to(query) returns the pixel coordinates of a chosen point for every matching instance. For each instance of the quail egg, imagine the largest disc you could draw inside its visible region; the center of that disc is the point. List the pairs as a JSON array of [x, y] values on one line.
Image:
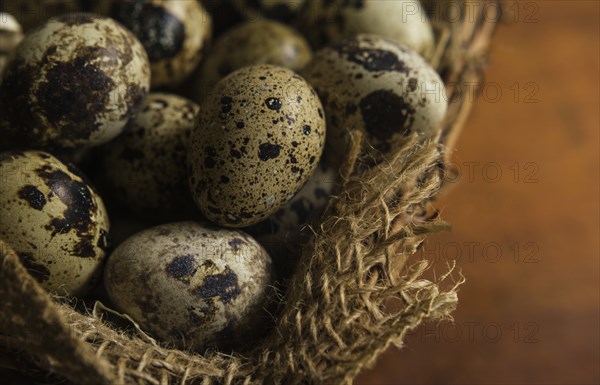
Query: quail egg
[[192, 285], [173, 32], [32, 13], [73, 82], [374, 85], [259, 138], [257, 42], [54, 220], [285, 232], [146, 166], [10, 37], [402, 21], [284, 10]]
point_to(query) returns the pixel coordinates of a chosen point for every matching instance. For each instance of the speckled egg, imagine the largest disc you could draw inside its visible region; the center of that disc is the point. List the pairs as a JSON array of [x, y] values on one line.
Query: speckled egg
[[374, 85], [284, 233], [11, 35], [260, 136], [73, 82], [54, 220], [251, 43], [192, 285], [403, 21], [146, 166], [173, 32], [284, 10], [32, 13]]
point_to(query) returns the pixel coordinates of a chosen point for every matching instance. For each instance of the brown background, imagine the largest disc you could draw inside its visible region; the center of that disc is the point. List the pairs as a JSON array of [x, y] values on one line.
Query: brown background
[[530, 317]]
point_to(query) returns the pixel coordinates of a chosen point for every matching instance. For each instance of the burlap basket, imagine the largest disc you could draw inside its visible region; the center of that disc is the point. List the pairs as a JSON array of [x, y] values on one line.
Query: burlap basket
[[336, 315]]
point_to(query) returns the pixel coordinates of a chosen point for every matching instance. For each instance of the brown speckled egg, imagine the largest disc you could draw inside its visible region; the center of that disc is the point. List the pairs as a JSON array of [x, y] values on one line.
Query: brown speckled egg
[[260, 136], [285, 232], [374, 85], [192, 285], [11, 35], [54, 220], [256, 42], [73, 82], [173, 32], [284, 10], [403, 21], [32, 13], [146, 166]]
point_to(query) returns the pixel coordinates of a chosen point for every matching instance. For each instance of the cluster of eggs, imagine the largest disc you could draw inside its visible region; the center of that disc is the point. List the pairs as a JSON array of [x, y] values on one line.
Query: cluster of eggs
[[213, 133]]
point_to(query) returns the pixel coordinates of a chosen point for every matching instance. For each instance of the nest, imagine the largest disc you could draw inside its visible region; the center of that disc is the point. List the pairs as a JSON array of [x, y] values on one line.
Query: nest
[[335, 317]]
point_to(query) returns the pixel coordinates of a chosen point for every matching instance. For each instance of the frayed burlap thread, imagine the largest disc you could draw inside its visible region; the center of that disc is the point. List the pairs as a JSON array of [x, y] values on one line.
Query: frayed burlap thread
[[350, 299], [340, 292]]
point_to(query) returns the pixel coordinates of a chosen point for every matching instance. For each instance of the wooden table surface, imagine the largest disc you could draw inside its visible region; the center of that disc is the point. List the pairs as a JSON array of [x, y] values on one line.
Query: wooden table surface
[[525, 216]]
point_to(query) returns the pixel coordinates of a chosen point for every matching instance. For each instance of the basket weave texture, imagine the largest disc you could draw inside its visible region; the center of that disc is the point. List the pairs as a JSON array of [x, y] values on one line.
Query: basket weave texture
[[336, 316]]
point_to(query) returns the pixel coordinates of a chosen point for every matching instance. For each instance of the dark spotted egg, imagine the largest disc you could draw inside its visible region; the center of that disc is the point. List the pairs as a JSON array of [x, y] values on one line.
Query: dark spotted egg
[[173, 32], [403, 21], [146, 166], [251, 43], [191, 284], [73, 82], [11, 35], [54, 220], [374, 85], [259, 138]]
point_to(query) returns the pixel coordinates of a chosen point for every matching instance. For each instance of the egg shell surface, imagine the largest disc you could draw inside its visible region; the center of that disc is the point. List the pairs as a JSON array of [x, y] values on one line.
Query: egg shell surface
[[260, 135], [175, 34], [251, 43], [74, 81], [402, 21], [192, 285], [146, 166], [374, 85], [54, 220]]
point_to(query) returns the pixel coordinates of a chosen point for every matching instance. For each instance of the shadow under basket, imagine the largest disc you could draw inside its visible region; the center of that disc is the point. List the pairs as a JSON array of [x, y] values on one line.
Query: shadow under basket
[[334, 319]]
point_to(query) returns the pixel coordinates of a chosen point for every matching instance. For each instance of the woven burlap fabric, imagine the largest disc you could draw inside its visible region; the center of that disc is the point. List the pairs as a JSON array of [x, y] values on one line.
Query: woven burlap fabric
[[334, 321], [337, 315]]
